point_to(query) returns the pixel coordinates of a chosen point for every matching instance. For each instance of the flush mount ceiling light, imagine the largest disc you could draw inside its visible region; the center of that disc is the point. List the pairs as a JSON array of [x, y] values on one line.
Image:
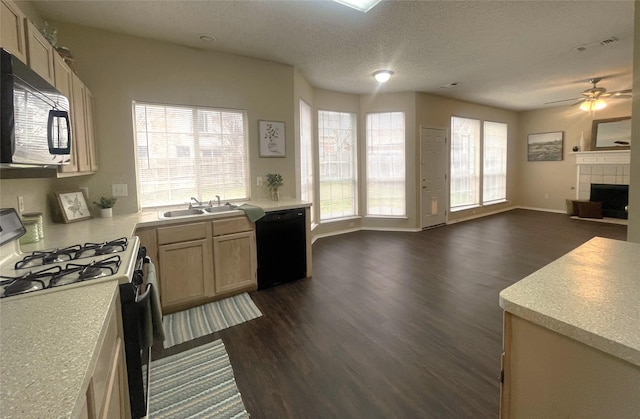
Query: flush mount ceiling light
[[205, 37], [382, 76], [593, 105], [362, 5]]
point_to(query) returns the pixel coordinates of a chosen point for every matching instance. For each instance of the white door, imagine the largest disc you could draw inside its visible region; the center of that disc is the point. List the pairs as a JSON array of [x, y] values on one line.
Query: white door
[[433, 176]]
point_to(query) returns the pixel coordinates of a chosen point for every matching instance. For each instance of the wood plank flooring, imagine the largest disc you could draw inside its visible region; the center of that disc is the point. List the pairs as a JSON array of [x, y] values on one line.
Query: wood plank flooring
[[395, 325]]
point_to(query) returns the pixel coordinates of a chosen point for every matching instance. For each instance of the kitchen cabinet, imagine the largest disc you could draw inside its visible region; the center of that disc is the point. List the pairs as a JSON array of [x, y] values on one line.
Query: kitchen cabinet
[[203, 261], [185, 264], [40, 53], [12, 32], [64, 83], [234, 252]]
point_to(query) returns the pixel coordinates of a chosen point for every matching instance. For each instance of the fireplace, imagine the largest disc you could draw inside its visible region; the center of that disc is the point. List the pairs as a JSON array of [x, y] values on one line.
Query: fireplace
[[614, 198]]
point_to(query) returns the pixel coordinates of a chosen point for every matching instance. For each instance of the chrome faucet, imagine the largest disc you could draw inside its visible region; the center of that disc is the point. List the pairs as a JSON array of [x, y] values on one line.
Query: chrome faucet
[[199, 204], [218, 199]]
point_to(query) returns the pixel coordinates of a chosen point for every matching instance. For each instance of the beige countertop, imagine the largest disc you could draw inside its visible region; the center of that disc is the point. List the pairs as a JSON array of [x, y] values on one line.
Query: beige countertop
[[48, 350], [591, 294]]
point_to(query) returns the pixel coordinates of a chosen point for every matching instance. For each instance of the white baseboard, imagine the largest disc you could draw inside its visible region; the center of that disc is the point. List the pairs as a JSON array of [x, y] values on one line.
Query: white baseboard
[[484, 214], [557, 211]]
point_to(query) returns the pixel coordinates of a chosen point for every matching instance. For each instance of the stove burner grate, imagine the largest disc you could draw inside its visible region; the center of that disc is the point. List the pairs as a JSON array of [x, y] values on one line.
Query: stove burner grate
[[28, 282], [39, 258], [74, 272], [94, 249]]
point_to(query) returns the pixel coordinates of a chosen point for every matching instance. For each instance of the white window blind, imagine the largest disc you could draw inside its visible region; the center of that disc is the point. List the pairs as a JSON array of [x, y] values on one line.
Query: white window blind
[[465, 162], [494, 176], [386, 164], [337, 159], [306, 155], [185, 152]]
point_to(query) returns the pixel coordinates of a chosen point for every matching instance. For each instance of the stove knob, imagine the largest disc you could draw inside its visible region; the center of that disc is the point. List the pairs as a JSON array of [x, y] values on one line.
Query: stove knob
[[138, 278]]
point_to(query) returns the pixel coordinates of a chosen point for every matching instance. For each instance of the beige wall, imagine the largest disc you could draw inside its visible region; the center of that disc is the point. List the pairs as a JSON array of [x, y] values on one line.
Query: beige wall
[[633, 231], [435, 112], [548, 184], [120, 69], [302, 90]]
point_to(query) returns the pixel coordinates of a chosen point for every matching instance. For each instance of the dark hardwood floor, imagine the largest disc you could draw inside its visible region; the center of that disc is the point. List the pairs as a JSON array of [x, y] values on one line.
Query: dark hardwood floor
[[395, 325]]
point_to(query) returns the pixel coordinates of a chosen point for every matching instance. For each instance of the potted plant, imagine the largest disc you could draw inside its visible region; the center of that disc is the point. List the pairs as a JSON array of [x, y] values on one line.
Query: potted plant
[[106, 205], [274, 181]]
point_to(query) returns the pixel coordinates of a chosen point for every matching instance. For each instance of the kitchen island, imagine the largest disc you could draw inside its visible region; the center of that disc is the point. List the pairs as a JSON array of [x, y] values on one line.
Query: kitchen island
[[572, 336]]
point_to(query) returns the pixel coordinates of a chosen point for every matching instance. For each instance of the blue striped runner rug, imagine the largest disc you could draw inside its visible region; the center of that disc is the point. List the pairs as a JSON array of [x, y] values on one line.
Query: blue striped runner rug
[[206, 319], [197, 383]]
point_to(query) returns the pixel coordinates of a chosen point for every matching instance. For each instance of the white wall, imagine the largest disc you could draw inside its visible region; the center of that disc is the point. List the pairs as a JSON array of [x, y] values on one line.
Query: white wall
[[633, 231]]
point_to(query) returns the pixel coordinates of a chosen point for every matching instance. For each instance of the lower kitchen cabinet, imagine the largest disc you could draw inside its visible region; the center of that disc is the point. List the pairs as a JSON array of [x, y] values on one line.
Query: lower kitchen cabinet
[[199, 262], [107, 395]]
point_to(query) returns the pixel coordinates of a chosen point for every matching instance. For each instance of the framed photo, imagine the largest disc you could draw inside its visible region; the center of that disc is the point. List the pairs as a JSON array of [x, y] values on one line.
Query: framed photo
[[611, 134], [546, 146], [272, 138], [73, 206]]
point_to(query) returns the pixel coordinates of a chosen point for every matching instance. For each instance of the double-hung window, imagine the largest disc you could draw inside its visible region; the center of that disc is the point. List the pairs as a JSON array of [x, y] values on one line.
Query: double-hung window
[[478, 163], [386, 164], [337, 164], [187, 151]]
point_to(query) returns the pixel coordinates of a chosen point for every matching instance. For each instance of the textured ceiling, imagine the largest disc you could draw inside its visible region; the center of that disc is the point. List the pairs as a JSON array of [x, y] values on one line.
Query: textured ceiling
[[510, 54]]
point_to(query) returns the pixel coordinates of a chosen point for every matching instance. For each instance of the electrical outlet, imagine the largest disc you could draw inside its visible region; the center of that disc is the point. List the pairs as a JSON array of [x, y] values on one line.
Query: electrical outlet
[[259, 181], [119, 189], [546, 196], [20, 204]]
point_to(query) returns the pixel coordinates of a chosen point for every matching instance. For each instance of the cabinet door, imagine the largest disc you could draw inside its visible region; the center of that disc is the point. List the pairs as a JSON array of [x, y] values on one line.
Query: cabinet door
[[187, 274], [79, 124], [91, 140], [64, 82], [39, 53], [12, 33], [235, 261]]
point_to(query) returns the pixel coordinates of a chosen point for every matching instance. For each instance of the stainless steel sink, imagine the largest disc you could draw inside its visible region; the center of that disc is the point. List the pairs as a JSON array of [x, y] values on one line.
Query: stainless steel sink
[[181, 213], [221, 208]]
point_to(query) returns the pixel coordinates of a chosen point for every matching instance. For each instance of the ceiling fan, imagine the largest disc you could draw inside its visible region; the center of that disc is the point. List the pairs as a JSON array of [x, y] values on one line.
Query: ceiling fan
[[591, 99]]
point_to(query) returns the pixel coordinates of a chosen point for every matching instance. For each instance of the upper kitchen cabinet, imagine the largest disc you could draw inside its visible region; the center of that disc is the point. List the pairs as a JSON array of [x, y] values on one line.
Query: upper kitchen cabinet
[[12, 33], [64, 83], [40, 53]]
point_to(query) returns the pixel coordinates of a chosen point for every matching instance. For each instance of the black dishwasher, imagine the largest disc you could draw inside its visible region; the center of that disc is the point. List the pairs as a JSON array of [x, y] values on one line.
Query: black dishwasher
[[282, 247]]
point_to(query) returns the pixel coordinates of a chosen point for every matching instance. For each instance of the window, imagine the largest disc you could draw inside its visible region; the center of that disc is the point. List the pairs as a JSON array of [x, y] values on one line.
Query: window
[[494, 176], [465, 163], [306, 155], [385, 164], [473, 182], [185, 151], [337, 158]]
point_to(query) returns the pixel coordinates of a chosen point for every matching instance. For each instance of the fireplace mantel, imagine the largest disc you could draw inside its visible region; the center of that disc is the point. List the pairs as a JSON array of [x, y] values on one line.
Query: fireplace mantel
[[609, 167], [603, 157]]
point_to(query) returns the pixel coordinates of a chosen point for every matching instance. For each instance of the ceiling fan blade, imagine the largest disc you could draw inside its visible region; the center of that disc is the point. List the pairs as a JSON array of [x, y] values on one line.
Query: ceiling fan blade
[[621, 96], [577, 103], [565, 100], [620, 92]]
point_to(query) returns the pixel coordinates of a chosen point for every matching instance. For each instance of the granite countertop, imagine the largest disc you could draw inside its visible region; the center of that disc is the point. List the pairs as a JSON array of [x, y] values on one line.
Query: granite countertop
[[49, 348], [591, 294]]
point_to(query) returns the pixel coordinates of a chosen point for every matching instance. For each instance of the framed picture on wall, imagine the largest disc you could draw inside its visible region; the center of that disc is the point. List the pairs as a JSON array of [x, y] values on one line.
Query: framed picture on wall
[[272, 138], [73, 206], [547, 146]]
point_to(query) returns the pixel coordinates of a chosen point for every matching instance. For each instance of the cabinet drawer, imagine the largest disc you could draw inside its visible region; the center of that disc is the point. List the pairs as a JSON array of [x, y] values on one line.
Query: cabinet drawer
[[181, 233], [231, 225]]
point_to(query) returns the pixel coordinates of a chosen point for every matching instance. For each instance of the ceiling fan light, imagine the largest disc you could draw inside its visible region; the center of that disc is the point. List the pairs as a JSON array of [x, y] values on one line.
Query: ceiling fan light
[[593, 105], [383, 76]]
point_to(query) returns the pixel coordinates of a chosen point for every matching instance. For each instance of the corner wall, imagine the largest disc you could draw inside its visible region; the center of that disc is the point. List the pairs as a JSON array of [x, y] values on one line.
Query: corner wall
[[633, 231]]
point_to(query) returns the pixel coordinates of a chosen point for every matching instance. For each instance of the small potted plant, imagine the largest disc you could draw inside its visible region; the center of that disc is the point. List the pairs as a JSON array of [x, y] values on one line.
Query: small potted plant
[[106, 205], [274, 181]]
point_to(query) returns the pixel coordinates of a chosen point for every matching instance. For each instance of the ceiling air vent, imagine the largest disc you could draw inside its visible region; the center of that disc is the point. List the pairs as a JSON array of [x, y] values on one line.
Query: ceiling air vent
[[603, 43], [609, 41]]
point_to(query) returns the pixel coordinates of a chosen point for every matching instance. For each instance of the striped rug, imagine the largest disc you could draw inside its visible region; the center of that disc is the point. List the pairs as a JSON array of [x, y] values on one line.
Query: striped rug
[[203, 320], [197, 383]]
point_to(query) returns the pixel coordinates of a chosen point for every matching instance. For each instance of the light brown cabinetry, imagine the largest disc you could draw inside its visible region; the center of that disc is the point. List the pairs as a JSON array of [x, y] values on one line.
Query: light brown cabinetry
[[39, 53], [234, 250], [107, 395], [202, 261], [549, 375], [185, 264], [12, 33]]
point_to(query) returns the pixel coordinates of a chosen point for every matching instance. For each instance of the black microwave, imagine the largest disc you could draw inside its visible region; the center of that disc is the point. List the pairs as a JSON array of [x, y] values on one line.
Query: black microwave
[[34, 118]]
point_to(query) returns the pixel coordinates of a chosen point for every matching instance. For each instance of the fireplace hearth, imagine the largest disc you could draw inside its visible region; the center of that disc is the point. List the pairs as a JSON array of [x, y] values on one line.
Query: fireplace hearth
[[614, 198]]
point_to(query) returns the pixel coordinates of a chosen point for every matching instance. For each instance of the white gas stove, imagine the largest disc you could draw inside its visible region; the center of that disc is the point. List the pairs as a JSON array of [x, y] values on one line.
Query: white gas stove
[[26, 274]]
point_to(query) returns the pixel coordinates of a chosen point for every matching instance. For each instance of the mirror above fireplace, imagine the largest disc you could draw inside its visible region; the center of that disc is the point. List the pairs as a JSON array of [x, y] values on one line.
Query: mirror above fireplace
[[611, 134]]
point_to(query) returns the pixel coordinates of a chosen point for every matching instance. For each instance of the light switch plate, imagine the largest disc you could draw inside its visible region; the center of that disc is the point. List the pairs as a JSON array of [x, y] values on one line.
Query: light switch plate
[[119, 189]]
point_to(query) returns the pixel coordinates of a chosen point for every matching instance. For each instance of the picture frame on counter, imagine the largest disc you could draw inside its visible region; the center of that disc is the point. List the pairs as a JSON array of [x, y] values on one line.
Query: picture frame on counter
[[272, 138], [73, 206], [611, 134], [546, 146]]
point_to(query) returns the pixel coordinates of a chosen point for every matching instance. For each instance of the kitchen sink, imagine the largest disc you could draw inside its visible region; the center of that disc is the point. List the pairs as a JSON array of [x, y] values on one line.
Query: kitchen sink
[[221, 208], [181, 213]]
